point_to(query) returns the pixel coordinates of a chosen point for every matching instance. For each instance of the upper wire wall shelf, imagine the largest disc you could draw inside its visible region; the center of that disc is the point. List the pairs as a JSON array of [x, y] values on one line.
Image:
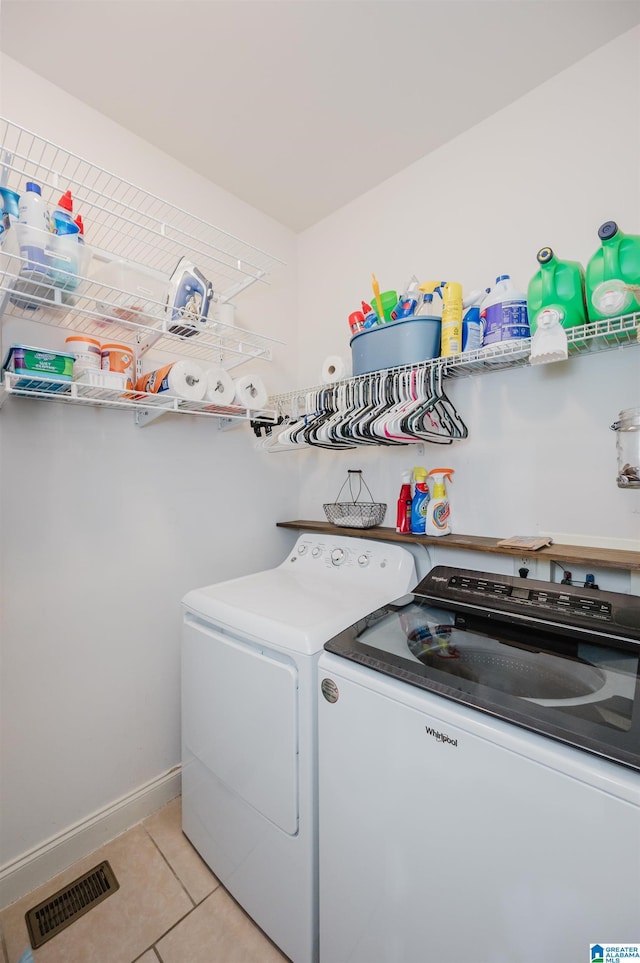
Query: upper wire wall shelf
[[124, 222], [598, 336], [130, 222]]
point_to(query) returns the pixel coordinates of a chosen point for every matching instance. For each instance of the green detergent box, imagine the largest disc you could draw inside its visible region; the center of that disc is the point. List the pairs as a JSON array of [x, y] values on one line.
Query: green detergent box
[[43, 370]]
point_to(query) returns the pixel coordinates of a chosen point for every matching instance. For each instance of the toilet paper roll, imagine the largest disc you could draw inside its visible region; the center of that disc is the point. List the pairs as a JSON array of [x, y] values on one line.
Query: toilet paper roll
[[335, 368], [220, 387], [185, 379], [250, 392], [225, 312]]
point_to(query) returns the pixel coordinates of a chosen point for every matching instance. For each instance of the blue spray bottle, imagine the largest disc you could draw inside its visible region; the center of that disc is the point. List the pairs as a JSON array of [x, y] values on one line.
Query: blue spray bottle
[[472, 324], [419, 502]]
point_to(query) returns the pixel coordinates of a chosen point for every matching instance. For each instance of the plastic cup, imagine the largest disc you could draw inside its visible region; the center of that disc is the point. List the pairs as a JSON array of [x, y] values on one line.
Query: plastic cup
[[389, 300]]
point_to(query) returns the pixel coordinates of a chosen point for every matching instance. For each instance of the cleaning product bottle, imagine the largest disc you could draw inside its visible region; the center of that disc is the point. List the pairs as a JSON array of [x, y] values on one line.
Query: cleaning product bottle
[[428, 289], [558, 287], [370, 316], [613, 275], [78, 221], [84, 253], [419, 502], [472, 328], [451, 334], [431, 309], [9, 216], [438, 521], [63, 210], [356, 322], [504, 313], [64, 266], [33, 219], [403, 516], [408, 303]]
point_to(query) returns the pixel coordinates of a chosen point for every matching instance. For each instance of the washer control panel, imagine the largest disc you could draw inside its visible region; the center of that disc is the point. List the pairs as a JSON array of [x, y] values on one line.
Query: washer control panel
[[530, 597], [611, 612]]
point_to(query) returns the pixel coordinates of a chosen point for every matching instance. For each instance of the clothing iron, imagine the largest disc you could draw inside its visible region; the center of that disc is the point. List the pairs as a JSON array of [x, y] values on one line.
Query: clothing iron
[[189, 298]]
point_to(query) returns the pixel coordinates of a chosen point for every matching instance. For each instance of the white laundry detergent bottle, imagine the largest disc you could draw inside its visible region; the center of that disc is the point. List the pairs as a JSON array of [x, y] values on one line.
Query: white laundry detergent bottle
[[504, 312], [438, 521]]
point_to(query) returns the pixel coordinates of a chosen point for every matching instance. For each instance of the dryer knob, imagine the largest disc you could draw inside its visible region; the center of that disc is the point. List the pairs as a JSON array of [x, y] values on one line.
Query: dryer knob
[[363, 561], [337, 556], [302, 549], [316, 551]]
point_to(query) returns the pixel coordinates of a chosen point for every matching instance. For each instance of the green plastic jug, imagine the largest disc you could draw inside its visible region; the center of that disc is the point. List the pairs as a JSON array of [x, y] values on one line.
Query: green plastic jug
[[557, 286], [613, 275]]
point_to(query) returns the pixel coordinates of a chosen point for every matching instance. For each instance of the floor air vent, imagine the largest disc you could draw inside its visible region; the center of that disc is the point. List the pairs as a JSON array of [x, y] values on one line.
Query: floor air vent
[[69, 904]]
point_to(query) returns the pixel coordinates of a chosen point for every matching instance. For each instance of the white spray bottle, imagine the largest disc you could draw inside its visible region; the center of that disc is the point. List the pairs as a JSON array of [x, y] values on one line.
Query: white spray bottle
[[438, 520]]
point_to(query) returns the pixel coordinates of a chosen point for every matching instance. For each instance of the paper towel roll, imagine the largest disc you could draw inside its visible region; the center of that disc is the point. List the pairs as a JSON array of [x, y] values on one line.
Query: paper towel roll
[[220, 387], [335, 368], [185, 379], [250, 392]]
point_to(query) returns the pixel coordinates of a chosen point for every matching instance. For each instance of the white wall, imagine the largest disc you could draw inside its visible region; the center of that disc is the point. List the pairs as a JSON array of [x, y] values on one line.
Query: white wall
[[105, 526], [547, 170]]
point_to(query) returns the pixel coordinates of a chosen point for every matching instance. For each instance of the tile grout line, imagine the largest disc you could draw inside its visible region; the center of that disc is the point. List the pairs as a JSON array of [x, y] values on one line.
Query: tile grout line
[[172, 928], [190, 898], [194, 905], [149, 949], [152, 947]]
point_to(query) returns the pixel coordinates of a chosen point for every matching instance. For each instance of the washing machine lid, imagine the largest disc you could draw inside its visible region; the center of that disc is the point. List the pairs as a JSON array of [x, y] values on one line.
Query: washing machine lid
[[578, 685]]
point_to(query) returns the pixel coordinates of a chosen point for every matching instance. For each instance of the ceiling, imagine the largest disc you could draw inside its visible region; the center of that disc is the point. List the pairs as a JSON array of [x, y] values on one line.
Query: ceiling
[[299, 106]]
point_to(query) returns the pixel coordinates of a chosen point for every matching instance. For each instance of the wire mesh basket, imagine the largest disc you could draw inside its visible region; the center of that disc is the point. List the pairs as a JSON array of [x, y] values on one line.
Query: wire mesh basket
[[356, 513]]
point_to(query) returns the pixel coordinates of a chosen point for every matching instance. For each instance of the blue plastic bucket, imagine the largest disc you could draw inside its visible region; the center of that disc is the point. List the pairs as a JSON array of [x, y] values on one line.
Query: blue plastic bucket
[[402, 342]]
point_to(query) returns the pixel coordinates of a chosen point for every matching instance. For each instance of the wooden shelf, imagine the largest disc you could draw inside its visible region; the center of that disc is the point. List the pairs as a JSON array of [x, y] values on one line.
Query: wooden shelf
[[570, 554]]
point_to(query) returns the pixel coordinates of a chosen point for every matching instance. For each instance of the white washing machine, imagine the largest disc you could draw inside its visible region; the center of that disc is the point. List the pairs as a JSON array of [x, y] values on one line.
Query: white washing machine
[[479, 775], [250, 649]]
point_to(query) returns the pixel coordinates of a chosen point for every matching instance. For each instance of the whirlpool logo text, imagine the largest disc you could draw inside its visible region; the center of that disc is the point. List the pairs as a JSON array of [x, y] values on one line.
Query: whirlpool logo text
[[441, 737]]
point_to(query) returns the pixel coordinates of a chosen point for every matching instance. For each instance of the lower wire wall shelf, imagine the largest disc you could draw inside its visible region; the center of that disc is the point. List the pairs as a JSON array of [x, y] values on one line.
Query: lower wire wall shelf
[[147, 406]]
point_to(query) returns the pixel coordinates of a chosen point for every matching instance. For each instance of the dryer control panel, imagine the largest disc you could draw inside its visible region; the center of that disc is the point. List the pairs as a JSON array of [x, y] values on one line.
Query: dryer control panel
[[353, 561]]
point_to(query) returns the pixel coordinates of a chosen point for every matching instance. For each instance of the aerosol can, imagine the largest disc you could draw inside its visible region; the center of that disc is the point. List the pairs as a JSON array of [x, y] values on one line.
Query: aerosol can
[[438, 521]]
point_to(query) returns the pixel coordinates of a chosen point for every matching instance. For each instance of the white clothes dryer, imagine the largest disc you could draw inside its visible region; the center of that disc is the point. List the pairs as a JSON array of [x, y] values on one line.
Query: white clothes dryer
[[250, 649]]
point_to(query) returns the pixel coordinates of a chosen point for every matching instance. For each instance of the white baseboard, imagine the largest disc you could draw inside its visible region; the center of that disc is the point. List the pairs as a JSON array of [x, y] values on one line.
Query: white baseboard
[[45, 861]]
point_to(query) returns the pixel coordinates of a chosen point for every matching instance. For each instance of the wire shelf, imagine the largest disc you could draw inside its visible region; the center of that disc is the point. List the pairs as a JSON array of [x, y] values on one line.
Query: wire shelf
[[143, 403], [128, 223], [104, 312], [597, 336]]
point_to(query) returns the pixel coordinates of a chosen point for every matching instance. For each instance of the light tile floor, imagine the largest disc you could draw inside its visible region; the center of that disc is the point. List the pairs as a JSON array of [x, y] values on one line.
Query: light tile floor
[[169, 908]]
